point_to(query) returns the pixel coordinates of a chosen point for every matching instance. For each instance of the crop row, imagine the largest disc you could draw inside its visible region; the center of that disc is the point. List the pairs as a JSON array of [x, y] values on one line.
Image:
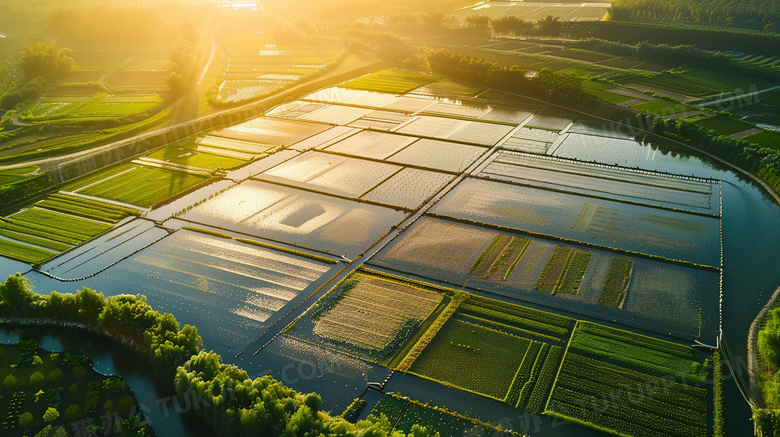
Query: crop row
[[42, 242], [636, 395], [529, 385], [523, 375], [665, 388], [619, 417], [544, 381], [521, 311], [616, 285], [575, 270], [80, 210], [62, 223], [484, 262], [10, 224], [553, 270], [627, 337], [640, 357], [390, 81], [507, 261], [512, 330], [513, 320]]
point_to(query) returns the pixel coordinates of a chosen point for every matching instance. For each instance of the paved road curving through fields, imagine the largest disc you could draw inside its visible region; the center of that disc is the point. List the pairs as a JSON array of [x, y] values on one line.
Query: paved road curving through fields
[[215, 120]]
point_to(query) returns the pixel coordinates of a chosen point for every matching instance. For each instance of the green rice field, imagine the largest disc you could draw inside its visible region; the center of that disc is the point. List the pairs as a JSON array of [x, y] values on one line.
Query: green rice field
[[142, 186], [390, 81]]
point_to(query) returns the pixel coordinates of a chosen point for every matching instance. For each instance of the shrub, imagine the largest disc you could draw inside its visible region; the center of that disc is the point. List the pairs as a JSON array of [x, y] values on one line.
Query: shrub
[[9, 381], [72, 411], [37, 378]]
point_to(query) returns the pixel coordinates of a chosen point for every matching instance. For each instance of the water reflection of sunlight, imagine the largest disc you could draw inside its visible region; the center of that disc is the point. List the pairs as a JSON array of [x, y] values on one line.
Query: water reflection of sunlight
[[239, 5]]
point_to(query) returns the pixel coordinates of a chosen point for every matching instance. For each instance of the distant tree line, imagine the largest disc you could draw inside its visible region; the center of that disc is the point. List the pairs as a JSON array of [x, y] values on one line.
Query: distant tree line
[[41, 62], [436, 22], [677, 55], [381, 43], [761, 161], [223, 395], [704, 38], [128, 23], [754, 14], [565, 88]]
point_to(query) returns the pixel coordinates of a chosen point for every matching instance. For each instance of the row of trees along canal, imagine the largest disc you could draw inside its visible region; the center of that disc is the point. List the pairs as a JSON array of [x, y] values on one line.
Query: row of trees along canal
[[233, 403]]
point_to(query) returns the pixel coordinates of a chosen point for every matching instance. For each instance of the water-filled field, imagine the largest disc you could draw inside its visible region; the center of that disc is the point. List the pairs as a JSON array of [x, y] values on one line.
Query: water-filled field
[[617, 183], [229, 289], [308, 219], [409, 188], [612, 287], [631, 227], [271, 131], [474, 132], [376, 145], [332, 174]]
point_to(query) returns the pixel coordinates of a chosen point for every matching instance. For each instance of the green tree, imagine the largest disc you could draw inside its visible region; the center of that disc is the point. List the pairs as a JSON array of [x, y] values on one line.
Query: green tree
[[51, 415], [90, 304], [45, 60], [25, 420], [16, 292], [478, 24], [549, 26]]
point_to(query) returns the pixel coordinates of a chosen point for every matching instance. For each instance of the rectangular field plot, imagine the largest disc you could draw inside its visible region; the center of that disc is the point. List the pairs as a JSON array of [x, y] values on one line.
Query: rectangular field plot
[[532, 140], [332, 174], [391, 81], [474, 358], [549, 122], [458, 110], [630, 227], [295, 109], [336, 114], [408, 188], [56, 224], [231, 289], [495, 349], [485, 134], [271, 131], [141, 186], [190, 158], [368, 316], [444, 422], [439, 155], [656, 296], [647, 188], [368, 99], [448, 88], [381, 120], [308, 219], [625, 153], [376, 145], [324, 139], [606, 380], [234, 147]]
